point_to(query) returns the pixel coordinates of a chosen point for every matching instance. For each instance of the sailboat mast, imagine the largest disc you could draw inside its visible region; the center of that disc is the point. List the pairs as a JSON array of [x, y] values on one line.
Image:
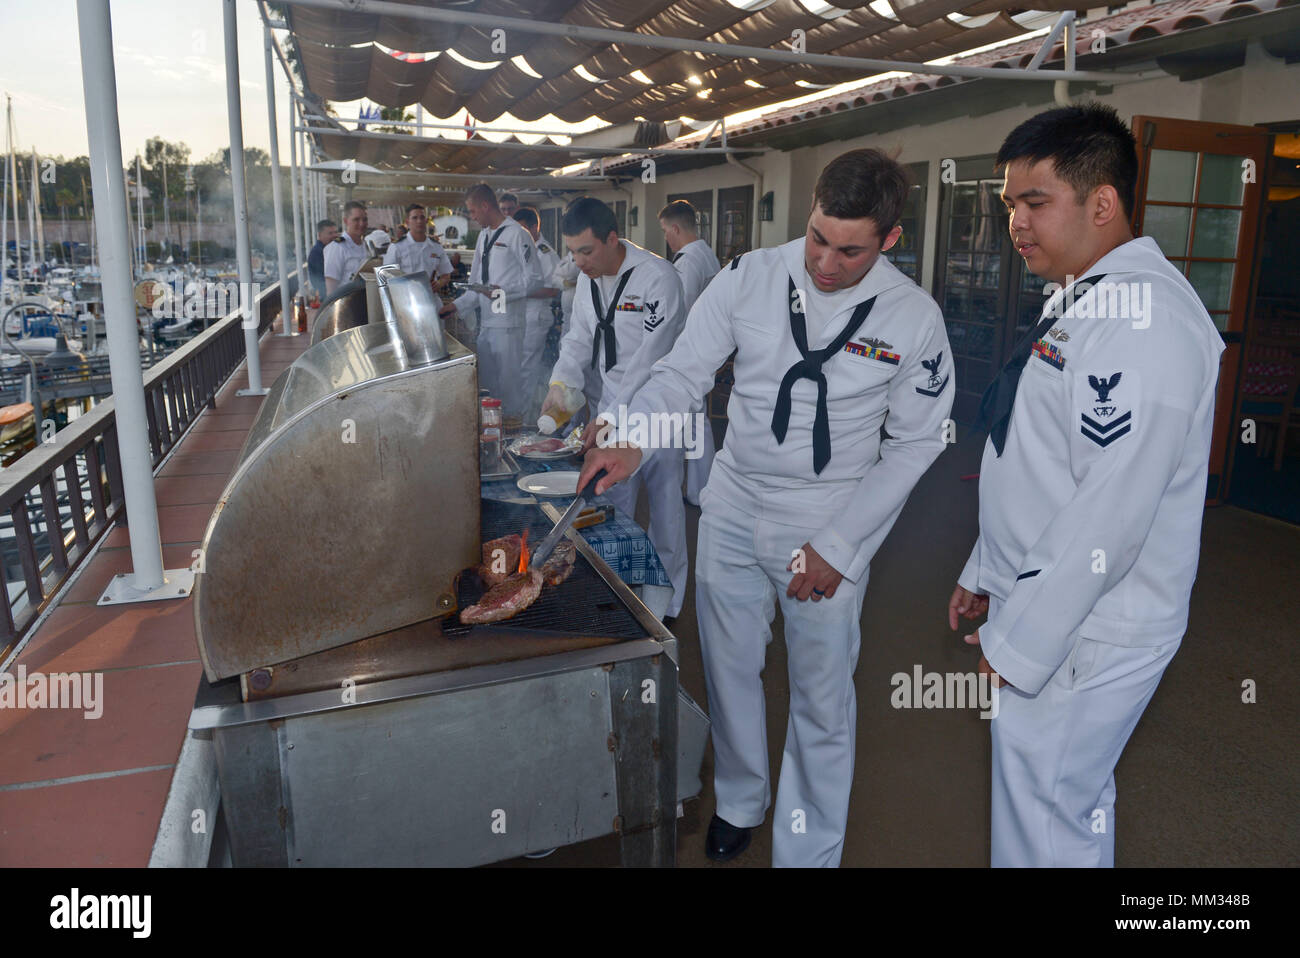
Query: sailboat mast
[[167, 228], [4, 233], [31, 228], [36, 204], [139, 211], [13, 190]]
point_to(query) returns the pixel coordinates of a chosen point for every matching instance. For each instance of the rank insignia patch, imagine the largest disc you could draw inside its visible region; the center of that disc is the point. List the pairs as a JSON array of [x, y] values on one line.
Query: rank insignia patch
[[872, 352], [934, 385], [652, 321], [1049, 354], [1106, 424]]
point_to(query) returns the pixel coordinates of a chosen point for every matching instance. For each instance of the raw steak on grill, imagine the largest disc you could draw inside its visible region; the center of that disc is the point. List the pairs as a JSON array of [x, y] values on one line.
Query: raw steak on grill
[[560, 562], [542, 445], [505, 599], [510, 546]]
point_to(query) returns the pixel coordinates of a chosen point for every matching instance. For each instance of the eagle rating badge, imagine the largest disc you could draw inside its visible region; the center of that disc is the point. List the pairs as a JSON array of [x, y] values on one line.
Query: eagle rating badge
[[934, 385], [1102, 422]]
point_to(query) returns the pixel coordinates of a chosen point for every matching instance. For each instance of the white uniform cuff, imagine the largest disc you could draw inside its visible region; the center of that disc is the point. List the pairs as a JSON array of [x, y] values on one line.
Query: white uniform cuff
[[1028, 677], [840, 554]]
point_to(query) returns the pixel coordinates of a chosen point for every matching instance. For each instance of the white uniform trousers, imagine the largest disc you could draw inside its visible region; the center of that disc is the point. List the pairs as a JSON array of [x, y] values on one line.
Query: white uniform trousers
[[1054, 754], [662, 477], [500, 361], [740, 570], [697, 470], [534, 373]]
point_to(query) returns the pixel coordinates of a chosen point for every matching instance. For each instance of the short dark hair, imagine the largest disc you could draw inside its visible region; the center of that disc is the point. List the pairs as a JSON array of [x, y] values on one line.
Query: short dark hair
[[508, 196], [587, 212], [482, 193], [413, 207], [1088, 144], [682, 213], [323, 224], [351, 205], [528, 216], [863, 184]]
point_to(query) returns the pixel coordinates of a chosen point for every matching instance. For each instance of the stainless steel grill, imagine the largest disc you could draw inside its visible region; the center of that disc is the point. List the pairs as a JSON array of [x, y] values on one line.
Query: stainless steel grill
[[354, 722]]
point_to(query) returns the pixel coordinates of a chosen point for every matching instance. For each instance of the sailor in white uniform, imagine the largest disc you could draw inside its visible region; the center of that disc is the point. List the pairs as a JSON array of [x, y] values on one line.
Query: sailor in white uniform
[[1092, 488], [626, 315], [696, 264], [417, 251], [540, 315], [832, 343], [505, 259], [344, 257]]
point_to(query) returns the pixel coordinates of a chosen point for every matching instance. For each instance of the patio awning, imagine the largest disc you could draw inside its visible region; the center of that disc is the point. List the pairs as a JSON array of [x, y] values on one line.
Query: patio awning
[[348, 55]]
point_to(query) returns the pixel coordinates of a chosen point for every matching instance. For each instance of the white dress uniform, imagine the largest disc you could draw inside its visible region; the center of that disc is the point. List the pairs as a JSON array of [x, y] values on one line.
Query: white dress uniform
[[426, 257], [539, 322], [344, 258], [643, 305], [767, 497], [506, 257], [696, 264], [1089, 538]]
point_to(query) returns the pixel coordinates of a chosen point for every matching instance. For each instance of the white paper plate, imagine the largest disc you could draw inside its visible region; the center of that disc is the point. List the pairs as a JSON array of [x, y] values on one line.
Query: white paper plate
[[550, 483]]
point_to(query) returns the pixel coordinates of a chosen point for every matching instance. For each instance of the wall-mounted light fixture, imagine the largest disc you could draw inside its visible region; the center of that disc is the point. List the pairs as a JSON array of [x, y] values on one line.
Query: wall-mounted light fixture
[[765, 207], [631, 216]]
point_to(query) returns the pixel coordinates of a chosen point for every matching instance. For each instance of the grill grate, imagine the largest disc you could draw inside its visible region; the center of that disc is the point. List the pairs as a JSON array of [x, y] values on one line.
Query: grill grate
[[583, 604]]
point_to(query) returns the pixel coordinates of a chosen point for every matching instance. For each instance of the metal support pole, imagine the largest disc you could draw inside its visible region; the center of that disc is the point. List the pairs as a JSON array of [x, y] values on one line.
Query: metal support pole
[[309, 218], [99, 80], [287, 325], [295, 191], [235, 115]]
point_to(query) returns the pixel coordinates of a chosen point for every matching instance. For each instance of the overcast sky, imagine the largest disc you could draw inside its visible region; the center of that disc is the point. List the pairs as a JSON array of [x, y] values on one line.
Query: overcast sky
[[170, 75]]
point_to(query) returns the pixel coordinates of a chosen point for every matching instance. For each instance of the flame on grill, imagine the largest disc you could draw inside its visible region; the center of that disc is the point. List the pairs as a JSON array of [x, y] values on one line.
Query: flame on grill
[[523, 553]]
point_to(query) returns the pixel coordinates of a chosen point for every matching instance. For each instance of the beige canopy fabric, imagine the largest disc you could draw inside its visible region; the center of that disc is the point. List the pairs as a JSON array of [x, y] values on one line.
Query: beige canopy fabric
[[344, 57], [451, 155]]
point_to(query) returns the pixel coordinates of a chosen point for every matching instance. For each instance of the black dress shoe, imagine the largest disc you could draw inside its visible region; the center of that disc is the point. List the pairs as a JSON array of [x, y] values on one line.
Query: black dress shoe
[[724, 840]]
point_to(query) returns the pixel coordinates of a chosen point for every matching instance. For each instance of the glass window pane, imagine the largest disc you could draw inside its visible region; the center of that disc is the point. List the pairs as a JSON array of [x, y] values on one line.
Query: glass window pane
[[984, 307], [991, 199], [958, 270], [1172, 176], [963, 199], [960, 229], [989, 231], [1220, 320], [1213, 281], [1216, 233], [1168, 226], [986, 270], [1221, 178], [956, 303]]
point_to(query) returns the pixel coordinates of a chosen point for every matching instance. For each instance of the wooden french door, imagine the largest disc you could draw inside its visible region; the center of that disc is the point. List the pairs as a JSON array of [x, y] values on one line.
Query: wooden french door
[[1199, 196], [735, 211]]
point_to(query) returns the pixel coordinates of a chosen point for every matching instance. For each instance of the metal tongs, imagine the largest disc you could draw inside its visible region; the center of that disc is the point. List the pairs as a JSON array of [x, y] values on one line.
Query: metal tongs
[[547, 545]]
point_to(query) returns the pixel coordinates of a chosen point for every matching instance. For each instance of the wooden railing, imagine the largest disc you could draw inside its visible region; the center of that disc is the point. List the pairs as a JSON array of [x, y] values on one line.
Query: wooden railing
[[65, 494]]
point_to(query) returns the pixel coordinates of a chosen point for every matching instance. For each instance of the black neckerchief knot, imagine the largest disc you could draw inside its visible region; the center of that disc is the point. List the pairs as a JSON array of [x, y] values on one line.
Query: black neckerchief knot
[[810, 367]]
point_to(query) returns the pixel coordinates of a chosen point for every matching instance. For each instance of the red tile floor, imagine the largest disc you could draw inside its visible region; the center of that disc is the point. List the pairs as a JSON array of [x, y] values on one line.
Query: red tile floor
[[78, 791]]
